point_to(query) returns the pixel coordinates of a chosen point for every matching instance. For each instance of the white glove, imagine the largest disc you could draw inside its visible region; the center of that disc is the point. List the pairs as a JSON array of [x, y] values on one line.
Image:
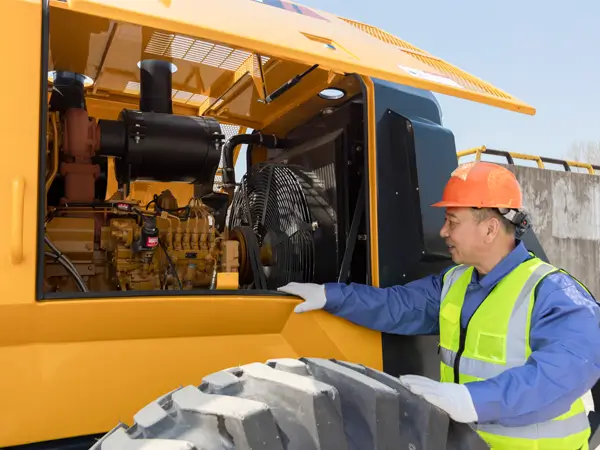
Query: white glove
[[453, 398], [313, 295]]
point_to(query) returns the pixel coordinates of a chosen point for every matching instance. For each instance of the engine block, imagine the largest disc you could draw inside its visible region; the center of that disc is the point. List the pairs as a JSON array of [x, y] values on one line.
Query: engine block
[[125, 247]]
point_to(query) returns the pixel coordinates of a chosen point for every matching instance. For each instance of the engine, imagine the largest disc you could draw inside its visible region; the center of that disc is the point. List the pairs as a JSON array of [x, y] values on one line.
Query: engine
[[161, 247], [100, 244]]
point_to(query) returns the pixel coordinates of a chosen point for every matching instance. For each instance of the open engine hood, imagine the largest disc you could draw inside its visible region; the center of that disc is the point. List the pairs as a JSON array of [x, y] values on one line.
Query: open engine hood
[[283, 29]]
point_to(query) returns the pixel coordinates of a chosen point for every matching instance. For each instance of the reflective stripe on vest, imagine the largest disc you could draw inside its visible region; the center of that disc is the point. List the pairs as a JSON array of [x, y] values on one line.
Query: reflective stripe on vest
[[497, 339]]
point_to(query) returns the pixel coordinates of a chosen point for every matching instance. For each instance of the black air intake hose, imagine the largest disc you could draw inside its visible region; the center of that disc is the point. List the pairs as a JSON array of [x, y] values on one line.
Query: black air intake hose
[[265, 140]]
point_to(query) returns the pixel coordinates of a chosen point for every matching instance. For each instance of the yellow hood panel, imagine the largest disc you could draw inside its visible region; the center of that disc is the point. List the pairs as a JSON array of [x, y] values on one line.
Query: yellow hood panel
[[283, 29]]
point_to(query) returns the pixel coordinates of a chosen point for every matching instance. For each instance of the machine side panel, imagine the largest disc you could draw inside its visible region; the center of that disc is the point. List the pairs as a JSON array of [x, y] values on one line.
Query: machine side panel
[[78, 367], [415, 156], [21, 136]]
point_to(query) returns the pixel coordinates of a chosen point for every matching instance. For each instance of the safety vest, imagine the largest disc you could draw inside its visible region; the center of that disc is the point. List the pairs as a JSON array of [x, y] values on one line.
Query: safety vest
[[496, 339]]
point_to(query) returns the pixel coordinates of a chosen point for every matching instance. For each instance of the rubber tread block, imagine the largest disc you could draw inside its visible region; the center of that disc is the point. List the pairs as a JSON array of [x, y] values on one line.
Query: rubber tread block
[[422, 425], [307, 411], [370, 408]]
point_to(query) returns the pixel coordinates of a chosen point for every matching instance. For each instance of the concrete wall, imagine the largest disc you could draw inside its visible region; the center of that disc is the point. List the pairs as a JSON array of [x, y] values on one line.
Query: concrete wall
[[565, 214]]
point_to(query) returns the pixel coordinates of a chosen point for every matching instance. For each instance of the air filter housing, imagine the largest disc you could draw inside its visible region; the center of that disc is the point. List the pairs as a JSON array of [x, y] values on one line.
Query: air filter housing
[[152, 144]]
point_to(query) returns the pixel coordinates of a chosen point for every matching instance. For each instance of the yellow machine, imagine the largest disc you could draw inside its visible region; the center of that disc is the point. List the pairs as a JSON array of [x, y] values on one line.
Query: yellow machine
[[140, 255]]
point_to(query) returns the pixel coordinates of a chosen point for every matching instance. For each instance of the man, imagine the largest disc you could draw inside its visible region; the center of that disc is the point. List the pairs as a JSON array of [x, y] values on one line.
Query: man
[[519, 339]]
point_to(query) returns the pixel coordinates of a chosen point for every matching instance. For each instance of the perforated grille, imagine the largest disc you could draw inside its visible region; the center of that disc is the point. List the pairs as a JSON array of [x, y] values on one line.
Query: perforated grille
[[464, 79], [200, 52], [197, 51]]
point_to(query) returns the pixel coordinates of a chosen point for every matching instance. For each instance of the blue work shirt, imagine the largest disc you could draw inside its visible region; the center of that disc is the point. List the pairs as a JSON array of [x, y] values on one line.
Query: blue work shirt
[[564, 337]]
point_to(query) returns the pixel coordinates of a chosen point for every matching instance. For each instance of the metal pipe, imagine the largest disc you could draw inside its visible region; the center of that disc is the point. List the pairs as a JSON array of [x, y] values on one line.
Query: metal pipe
[[156, 86]]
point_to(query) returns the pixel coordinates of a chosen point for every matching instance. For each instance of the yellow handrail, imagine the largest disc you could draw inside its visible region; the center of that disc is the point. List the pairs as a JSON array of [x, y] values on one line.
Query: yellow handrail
[[540, 160]]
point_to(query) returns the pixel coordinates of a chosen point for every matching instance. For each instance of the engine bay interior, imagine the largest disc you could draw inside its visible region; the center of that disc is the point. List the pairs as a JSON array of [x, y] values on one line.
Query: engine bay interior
[[143, 140]]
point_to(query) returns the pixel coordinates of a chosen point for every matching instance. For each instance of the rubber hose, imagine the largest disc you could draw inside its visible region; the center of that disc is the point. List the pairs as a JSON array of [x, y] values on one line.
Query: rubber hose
[[78, 280]]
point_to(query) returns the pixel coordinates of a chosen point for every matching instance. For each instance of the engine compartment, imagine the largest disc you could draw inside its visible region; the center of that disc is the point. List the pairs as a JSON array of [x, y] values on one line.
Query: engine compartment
[[96, 244], [237, 236]]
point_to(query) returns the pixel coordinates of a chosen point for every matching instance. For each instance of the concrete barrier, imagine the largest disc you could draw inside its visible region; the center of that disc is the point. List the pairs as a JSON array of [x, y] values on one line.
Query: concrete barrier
[[565, 215]]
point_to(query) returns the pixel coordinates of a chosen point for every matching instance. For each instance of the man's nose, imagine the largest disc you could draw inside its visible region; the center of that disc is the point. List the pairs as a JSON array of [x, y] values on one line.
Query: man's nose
[[444, 230]]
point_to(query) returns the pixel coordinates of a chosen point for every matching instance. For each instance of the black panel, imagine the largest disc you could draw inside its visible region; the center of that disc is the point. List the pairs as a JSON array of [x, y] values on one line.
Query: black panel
[[415, 156], [400, 231]]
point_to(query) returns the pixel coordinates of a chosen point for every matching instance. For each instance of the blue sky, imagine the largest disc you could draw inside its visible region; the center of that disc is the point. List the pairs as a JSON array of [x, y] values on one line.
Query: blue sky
[[544, 53]]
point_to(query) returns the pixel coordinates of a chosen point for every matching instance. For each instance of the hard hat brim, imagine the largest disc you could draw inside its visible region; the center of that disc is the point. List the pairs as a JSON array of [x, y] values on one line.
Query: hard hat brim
[[452, 204]]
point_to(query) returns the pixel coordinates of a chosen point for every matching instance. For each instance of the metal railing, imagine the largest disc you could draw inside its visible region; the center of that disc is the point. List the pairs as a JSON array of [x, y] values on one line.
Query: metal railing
[[540, 160]]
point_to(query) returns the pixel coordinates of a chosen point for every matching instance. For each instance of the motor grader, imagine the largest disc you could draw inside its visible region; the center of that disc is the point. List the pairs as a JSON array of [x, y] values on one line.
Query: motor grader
[[168, 165]]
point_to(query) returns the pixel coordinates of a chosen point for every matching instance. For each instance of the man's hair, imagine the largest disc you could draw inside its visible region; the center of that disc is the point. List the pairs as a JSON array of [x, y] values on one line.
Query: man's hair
[[482, 214]]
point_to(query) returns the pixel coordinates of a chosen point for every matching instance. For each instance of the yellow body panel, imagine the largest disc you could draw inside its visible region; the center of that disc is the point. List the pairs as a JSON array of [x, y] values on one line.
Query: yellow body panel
[[85, 365], [20, 134], [304, 39]]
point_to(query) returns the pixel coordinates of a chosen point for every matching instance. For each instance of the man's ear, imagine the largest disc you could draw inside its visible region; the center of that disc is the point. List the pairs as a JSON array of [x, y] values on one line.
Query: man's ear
[[492, 229]]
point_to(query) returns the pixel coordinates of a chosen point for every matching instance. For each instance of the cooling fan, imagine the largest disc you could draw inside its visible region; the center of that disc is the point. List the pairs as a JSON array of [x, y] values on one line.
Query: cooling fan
[[279, 214]]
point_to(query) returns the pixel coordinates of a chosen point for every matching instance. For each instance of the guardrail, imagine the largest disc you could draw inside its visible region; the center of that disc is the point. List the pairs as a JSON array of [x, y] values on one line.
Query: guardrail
[[540, 160]]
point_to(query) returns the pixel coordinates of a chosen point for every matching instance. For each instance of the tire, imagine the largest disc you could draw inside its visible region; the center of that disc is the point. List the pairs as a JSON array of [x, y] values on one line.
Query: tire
[[293, 404]]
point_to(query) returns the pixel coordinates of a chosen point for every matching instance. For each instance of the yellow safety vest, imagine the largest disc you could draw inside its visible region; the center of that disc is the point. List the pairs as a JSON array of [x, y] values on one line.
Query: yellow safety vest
[[496, 339]]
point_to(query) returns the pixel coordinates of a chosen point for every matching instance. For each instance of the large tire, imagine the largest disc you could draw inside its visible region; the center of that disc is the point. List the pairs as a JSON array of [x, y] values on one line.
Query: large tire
[[293, 404]]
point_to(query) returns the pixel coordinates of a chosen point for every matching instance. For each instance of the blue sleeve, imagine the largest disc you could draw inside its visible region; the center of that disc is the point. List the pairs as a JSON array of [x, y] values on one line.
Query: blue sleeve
[[407, 309], [564, 364]]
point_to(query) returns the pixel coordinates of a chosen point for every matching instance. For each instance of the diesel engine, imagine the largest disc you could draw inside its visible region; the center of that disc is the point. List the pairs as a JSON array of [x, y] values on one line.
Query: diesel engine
[[100, 242]]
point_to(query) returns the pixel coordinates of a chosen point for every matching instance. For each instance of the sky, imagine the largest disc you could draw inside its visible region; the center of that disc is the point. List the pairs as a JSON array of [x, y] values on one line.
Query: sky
[[542, 52]]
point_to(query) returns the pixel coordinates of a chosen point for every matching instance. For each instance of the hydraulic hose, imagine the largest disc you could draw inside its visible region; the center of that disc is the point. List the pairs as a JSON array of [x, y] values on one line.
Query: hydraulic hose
[[78, 280], [266, 140], [66, 263]]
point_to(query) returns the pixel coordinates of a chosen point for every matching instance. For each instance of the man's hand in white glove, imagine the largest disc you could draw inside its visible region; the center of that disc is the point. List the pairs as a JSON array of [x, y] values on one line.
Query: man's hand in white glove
[[313, 295], [453, 398]]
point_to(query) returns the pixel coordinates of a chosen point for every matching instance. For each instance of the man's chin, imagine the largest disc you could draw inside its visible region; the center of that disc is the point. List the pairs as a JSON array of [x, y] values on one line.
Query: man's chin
[[455, 257]]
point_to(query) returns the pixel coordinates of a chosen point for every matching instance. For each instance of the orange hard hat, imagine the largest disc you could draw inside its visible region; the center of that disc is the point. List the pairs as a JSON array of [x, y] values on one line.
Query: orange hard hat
[[482, 185]]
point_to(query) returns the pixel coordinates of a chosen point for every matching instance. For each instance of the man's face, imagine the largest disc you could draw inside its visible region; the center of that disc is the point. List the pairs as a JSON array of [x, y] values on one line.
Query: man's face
[[465, 236]]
